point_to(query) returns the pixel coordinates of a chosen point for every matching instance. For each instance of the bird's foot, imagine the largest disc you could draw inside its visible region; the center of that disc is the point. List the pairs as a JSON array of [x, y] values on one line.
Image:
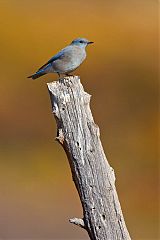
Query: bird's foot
[[69, 75]]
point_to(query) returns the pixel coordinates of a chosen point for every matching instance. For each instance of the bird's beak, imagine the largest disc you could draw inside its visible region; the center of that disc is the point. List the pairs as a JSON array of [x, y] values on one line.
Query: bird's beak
[[90, 42]]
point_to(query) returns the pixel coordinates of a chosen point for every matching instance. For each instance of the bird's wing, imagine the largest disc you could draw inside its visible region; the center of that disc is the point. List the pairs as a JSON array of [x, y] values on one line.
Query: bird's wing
[[59, 55]]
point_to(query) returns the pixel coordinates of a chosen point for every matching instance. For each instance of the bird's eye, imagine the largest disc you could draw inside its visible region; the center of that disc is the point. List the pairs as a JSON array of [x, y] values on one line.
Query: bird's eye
[[81, 41]]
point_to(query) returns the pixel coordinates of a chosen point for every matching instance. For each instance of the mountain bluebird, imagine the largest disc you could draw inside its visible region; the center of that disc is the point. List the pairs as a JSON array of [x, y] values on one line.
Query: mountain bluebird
[[66, 61]]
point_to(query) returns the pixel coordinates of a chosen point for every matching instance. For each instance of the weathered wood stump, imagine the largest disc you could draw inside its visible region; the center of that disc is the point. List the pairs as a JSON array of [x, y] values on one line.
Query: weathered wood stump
[[92, 174]]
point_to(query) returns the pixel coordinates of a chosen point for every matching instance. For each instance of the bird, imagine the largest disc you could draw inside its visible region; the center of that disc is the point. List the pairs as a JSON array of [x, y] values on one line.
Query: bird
[[65, 61]]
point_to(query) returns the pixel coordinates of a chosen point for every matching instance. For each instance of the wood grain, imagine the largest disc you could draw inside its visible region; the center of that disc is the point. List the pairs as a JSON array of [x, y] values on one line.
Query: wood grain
[[91, 172]]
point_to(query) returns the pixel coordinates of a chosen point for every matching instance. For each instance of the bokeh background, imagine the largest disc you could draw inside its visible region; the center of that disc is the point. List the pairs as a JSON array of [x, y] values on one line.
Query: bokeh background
[[37, 195]]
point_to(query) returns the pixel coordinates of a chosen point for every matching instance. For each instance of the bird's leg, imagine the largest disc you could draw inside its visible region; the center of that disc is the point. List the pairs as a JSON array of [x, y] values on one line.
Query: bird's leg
[[59, 75], [69, 75]]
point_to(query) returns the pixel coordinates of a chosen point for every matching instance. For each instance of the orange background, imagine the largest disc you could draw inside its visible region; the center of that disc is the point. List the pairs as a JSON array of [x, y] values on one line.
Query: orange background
[[37, 195]]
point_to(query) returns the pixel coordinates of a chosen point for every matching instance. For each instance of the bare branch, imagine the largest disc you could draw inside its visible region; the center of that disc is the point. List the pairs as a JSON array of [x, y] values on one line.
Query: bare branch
[[91, 172]]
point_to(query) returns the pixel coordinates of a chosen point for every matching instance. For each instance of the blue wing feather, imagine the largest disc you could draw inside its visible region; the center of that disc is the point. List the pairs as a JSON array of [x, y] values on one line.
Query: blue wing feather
[[59, 55]]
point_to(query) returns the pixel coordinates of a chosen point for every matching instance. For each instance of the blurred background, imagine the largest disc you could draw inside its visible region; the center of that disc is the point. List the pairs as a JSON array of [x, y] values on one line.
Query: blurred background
[[37, 195]]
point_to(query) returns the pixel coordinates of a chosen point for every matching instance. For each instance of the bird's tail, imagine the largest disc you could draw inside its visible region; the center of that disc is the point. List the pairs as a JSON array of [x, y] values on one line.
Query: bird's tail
[[37, 74]]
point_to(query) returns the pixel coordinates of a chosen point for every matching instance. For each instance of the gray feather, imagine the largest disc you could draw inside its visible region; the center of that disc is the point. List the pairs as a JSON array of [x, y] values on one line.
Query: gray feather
[[66, 61]]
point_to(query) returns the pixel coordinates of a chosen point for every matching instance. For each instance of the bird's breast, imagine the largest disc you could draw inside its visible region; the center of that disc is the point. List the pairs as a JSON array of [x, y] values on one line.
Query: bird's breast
[[70, 60], [76, 55]]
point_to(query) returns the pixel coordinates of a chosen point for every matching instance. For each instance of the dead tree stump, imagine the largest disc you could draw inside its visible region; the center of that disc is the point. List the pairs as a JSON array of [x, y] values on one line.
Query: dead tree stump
[[91, 172]]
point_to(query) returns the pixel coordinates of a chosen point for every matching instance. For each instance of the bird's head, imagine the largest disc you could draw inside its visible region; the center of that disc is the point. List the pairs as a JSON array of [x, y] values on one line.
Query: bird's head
[[82, 42]]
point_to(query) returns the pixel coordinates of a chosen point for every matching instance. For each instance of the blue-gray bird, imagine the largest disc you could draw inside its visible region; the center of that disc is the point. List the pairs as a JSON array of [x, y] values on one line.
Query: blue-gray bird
[[66, 61]]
